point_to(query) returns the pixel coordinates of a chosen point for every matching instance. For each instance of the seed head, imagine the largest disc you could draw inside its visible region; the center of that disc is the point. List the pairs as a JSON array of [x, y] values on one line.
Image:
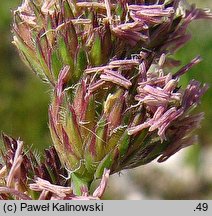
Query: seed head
[[117, 102]]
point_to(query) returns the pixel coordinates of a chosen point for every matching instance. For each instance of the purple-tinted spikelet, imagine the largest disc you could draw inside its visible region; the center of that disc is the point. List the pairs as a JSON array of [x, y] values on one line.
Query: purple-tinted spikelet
[[25, 177], [117, 102]]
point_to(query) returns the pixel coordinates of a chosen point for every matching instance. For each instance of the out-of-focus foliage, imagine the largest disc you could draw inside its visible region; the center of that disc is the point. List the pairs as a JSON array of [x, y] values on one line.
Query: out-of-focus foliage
[[23, 98], [24, 103]]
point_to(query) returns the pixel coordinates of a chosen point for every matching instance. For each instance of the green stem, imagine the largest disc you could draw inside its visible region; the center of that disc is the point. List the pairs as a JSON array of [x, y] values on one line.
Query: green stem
[[79, 183]]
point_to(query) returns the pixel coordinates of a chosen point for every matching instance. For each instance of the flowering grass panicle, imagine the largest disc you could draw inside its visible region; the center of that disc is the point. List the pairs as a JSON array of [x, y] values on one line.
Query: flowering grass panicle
[[117, 102]]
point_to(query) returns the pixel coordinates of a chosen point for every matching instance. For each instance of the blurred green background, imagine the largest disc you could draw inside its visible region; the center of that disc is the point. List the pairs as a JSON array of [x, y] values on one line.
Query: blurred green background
[[23, 98], [24, 103]]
